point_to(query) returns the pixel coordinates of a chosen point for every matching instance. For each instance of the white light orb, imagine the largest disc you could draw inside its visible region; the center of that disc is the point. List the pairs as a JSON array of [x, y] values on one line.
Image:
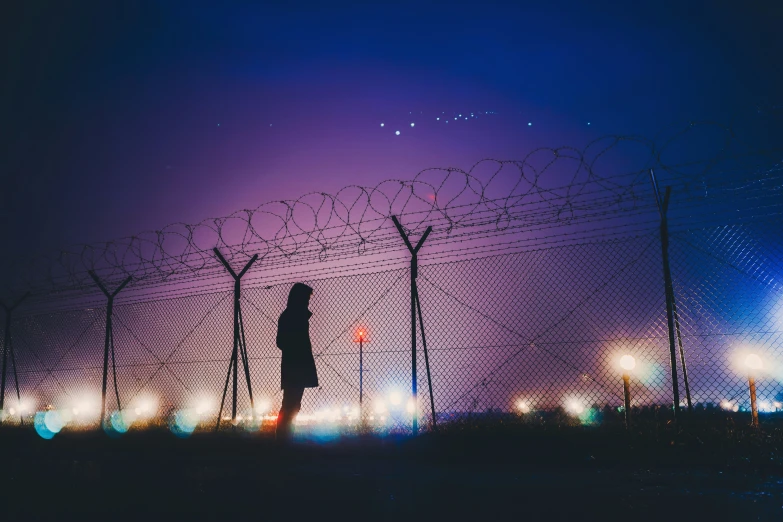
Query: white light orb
[[411, 407], [395, 398], [413, 124], [627, 362], [381, 124], [753, 362], [529, 124], [575, 407], [437, 119], [523, 407], [397, 133], [380, 407]]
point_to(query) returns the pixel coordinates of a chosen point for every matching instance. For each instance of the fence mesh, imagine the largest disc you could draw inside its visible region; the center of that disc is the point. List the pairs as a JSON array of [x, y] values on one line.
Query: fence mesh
[[535, 330], [539, 275]]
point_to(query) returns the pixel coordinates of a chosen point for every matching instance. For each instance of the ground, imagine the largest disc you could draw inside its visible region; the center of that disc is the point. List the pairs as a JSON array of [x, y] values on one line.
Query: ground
[[472, 472]]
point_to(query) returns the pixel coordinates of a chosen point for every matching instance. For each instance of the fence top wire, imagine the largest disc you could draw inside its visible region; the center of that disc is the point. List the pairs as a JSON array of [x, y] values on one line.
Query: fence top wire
[[550, 189]]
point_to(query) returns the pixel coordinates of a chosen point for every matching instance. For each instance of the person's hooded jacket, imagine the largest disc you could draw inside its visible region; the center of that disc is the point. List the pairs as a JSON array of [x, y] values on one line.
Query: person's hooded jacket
[[293, 338]]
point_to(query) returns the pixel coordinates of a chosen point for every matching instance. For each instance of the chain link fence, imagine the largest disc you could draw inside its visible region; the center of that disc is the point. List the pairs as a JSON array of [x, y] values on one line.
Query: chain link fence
[[537, 330]]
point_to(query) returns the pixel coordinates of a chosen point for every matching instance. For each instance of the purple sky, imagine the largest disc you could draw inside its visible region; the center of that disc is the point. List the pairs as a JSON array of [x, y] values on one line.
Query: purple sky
[[118, 120]]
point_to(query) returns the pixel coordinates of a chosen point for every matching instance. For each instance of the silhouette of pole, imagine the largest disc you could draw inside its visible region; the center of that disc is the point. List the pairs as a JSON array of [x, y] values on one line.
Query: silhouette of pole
[[672, 318], [109, 342], [240, 345], [414, 307], [754, 410], [361, 340], [8, 348]]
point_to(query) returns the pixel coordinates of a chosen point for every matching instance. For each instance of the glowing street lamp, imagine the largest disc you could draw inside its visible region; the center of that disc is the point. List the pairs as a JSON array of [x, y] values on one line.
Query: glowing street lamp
[[361, 338], [627, 363], [753, 364]]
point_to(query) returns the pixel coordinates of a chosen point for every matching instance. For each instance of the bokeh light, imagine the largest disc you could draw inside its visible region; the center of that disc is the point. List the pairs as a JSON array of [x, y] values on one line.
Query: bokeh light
[[395, 398], [627, 362], [183, 423], [39, 423], [53, 421], [753, 362]]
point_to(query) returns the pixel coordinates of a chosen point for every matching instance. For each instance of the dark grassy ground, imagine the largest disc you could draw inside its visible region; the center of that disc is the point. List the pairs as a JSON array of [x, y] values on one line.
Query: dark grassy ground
[[713, 467]]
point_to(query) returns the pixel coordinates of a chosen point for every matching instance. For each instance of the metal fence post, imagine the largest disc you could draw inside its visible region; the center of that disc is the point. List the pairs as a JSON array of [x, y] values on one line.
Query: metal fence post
[[672, 318], [240, 345], [415, 306], [108, 342], [8, 348]]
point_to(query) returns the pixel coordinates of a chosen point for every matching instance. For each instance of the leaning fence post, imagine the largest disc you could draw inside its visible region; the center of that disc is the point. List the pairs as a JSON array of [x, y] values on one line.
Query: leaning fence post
[[415, 306], [108, 342], [8, 348], [672, 318]]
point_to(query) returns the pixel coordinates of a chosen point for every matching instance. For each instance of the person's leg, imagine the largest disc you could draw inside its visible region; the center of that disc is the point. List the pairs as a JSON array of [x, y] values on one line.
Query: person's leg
[[292, 402]]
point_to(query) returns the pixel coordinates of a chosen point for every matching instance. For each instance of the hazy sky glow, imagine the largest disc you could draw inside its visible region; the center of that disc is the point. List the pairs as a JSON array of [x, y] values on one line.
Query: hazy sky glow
[[126, 119]]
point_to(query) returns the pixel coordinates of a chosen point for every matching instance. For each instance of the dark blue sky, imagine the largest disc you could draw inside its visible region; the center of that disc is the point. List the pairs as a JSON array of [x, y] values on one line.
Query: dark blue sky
[[122, 119]]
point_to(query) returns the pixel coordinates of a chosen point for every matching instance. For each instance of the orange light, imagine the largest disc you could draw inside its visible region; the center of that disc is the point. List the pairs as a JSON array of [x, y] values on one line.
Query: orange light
[[361, 336]]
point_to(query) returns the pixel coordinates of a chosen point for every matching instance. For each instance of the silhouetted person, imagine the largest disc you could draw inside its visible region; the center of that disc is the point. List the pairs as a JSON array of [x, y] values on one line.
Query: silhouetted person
[[298, 367]]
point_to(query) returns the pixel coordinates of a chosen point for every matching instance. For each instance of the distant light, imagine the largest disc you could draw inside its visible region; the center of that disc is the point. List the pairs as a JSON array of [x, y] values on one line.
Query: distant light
[[202, 407], [218, 125], [270, 124], [753, 362], [53, 421], [12, 411], [460, 115], [575, 407], [395, 398], [523, 407], [397, 133], [75, 411], [438, 118], [413, 124], [263, 406], [39, 424], [588, 123], [627, 362], [380, 407], [411, 407], [529, 124], [381, 124]]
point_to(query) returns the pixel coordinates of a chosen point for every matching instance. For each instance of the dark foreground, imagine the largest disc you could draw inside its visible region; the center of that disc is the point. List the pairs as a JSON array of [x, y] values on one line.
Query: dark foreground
[[496, 473]]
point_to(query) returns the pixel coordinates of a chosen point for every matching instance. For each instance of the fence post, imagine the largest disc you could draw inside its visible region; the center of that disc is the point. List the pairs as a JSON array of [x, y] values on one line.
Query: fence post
[[109, 342], [8, 348], [672, 318], [416, 307], [240, 345]]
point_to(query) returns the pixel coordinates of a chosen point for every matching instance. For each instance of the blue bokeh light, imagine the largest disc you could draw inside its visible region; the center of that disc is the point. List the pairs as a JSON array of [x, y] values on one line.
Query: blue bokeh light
[[39, 422]]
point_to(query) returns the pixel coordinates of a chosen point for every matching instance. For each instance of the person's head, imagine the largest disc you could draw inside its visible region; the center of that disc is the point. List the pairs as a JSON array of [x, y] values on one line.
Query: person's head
[[299, 296]]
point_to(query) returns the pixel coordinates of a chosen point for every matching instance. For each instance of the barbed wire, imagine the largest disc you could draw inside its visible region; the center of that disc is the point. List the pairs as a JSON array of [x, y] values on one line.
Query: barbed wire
[[548, 188]]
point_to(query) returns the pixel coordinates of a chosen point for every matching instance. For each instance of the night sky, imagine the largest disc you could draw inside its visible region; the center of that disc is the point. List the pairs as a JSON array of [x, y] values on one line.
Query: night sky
[[117, 120]]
